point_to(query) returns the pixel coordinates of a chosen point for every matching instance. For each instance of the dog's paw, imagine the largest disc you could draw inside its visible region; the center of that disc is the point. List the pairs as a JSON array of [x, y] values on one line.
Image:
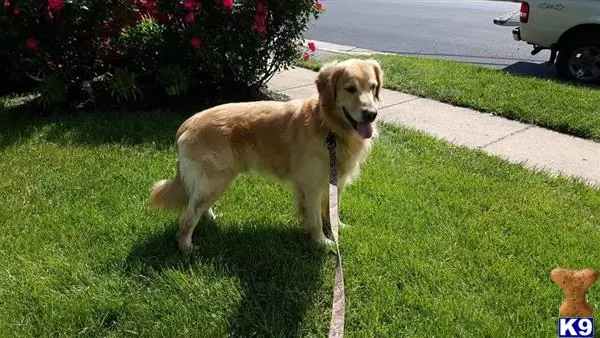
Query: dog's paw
[[185, 246], [210, 215], [343, 225], [324, 241]]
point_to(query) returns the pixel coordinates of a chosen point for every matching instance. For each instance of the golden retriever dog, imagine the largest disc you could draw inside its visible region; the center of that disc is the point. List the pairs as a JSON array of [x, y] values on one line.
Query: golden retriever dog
[[285, 140]]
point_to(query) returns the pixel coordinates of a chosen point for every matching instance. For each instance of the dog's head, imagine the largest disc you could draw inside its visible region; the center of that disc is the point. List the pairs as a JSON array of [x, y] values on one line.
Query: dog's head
[[348, 92]]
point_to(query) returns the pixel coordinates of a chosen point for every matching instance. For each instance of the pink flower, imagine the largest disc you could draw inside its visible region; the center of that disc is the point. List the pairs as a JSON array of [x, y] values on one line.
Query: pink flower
[[312, 47], [260, 29], [319, 6], [260, 19], [228, 4], [196, 42], [148, 4], [189, 4], [16, 11], [32, 45], [160, 17], [306, 56], [260, 23], [190, 18], [260, 8], [6, 3], [56, 5]]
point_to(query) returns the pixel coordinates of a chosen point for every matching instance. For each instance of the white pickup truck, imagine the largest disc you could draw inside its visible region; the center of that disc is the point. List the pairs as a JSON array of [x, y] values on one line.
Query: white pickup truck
[[570, 29]]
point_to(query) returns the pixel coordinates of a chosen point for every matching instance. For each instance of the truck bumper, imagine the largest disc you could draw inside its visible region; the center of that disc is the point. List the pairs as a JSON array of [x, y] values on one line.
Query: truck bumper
[[516, 33]]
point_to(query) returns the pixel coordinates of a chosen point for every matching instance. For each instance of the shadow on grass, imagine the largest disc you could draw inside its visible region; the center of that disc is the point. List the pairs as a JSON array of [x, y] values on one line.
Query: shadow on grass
[[542, 71], [539, 70], [279, 268], [92, 127], [154, 123]]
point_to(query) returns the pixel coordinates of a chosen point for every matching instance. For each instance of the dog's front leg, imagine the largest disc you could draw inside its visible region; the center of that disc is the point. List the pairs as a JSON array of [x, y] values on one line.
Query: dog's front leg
[[325, 205], [312, 221], [341, 186]]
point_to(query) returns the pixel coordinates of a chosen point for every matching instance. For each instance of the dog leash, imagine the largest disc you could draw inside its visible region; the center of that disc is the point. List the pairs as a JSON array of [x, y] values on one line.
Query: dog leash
[[336, 328]]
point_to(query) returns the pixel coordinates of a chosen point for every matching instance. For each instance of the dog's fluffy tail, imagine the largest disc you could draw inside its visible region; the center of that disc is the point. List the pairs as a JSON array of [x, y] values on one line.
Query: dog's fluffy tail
[[169, 194]]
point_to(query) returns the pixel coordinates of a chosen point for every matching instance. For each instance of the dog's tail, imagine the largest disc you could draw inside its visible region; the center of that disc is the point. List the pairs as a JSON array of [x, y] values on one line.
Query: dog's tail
[[169, 194]]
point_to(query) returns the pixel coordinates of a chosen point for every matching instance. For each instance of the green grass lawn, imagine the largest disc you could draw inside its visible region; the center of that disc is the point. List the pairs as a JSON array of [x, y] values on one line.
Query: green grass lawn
[[559, 106], [443, 241]]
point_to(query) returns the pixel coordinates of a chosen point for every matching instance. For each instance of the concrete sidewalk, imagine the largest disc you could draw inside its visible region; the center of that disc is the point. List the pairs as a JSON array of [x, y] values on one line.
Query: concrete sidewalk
[[533, 147]]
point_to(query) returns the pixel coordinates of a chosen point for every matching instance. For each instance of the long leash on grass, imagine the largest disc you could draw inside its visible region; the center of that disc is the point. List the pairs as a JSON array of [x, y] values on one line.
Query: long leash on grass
[[336, 328]]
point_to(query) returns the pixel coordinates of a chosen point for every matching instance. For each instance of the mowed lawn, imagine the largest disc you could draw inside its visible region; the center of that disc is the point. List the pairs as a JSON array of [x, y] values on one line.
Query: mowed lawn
[[560, 106], [443, 241]]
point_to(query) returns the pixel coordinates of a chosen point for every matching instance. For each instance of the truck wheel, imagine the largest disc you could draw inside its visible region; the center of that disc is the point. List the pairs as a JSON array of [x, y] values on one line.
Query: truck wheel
[[579, 60]]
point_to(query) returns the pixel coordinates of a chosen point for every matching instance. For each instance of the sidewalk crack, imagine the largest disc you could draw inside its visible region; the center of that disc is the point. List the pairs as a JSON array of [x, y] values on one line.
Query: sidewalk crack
[[505, 137], [296, 87], [399, 103]]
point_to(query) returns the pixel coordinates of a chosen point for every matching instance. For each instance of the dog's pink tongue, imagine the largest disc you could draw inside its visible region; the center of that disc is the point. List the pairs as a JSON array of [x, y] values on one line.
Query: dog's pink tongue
[[365, 129]]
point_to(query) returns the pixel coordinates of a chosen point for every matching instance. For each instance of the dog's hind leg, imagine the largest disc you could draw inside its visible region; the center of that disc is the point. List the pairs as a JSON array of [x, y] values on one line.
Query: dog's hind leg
[[205, 192], [187, 223]]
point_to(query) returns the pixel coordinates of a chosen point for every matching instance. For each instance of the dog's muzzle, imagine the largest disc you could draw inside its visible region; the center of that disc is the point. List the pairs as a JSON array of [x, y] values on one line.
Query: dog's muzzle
[[369, 115], [364, 127]]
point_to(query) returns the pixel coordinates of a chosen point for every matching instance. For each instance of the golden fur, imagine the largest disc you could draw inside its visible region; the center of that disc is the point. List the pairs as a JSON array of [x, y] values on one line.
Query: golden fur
[[285, 140]]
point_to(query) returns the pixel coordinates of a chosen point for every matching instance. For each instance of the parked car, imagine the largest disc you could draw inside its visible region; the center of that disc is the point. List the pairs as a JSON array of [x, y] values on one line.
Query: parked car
[[570, 29]]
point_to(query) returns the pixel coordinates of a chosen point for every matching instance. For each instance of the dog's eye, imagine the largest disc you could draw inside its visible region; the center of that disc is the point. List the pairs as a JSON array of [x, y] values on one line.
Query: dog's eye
[[351, 89], [373, 86]]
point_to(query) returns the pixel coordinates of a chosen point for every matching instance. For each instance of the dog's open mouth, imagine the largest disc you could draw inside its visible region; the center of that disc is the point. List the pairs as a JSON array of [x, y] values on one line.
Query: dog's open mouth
[[364, 129]]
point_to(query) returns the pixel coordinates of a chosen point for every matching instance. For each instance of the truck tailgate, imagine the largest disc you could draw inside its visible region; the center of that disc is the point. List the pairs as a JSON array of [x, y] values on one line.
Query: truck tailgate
[[509, 19]]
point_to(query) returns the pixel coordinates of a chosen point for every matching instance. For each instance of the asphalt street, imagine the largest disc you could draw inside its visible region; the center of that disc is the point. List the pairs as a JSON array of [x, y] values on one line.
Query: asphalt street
[[460, 30]]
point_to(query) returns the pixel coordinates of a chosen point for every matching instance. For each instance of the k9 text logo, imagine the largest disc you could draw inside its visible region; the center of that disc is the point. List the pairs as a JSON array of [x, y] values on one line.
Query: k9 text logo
[[575, 327]]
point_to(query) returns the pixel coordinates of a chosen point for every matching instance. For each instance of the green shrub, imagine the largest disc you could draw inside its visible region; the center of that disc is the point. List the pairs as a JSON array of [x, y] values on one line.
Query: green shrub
[[174, 79], [52, 91], [144, 43], [177, 44], [122, 85]]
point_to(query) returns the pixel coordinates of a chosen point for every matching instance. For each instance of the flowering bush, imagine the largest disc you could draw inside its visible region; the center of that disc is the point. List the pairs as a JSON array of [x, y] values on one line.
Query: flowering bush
[[77, 44]]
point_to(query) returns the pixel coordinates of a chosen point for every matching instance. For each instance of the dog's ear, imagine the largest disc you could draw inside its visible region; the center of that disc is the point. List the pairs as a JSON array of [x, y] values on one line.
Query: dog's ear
[[326, 83], [379, 74]]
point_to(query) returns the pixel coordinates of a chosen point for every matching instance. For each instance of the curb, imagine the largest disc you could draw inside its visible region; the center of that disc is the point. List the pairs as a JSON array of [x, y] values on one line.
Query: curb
[[342, 49]]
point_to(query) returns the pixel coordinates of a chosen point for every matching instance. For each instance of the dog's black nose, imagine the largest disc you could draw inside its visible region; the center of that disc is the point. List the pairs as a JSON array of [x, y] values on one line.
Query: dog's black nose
[[369, 115]]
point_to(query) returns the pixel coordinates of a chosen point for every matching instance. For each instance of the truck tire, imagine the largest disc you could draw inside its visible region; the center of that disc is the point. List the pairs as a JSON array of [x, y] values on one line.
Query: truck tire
[[579, 59]]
